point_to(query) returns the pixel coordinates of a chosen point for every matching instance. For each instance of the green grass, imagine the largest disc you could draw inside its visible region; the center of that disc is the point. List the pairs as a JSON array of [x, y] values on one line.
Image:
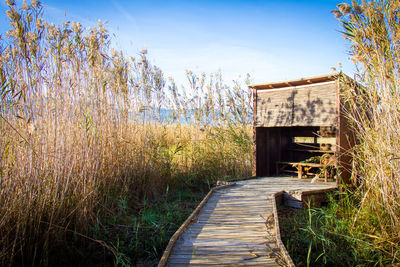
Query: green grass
[[132, 236], [328, 236]]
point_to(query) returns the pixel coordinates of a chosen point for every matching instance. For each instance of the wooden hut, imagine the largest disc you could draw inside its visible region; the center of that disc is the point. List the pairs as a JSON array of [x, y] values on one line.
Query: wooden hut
[[299, 127]]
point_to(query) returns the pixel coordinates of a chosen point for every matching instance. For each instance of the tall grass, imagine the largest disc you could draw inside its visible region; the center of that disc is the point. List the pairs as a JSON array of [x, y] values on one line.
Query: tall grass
[[373, 29], [82, 126], [326, 236], [361, 226]]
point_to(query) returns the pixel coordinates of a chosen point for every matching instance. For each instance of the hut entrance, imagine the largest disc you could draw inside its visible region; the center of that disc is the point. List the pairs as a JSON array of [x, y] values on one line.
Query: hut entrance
[[303, 151], [299, 128]]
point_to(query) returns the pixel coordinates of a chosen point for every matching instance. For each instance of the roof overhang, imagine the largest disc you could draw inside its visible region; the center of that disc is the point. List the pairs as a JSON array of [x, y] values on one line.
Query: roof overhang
[[297, 82]]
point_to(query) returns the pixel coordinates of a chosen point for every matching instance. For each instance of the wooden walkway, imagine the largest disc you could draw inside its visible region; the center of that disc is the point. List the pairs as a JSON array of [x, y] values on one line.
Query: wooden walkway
[[235, 227]]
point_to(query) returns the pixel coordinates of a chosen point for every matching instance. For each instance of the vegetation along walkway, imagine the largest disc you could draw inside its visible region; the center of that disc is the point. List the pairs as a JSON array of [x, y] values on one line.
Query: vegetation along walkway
[[236, 226]]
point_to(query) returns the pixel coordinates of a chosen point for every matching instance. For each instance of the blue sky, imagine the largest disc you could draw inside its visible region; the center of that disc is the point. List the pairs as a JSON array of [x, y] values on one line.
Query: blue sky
[[270, 40]]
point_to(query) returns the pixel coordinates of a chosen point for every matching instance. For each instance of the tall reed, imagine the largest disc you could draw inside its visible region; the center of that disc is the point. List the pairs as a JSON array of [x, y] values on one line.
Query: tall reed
[[81, 125], [373, 29]]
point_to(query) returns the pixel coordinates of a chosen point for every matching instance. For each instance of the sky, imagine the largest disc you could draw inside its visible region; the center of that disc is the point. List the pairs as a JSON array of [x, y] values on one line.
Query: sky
[[271, 40]]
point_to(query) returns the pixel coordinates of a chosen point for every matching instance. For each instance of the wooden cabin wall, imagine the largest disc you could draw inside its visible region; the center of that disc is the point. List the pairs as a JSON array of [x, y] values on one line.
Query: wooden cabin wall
[[262, 166], [346, 140], [270, 143], [286, 140], [274, 108], [313, 105]]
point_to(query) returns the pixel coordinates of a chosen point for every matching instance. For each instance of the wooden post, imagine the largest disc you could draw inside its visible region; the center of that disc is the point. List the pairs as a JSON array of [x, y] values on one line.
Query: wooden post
[[300, 171], [254, 165]]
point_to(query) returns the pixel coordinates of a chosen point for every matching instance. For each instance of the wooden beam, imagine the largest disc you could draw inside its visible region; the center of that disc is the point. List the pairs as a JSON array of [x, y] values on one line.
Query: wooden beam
[[296, 82]]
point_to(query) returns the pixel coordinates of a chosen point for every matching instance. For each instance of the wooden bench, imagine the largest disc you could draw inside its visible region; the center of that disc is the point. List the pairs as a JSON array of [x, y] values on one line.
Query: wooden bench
[[304, 167]]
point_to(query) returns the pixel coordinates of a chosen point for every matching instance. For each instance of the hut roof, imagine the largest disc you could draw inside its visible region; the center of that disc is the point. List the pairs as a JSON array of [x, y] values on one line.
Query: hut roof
[[296, 82]]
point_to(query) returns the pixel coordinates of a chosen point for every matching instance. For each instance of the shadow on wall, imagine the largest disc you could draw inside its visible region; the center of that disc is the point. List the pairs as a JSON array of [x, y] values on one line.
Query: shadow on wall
[[296, 107]]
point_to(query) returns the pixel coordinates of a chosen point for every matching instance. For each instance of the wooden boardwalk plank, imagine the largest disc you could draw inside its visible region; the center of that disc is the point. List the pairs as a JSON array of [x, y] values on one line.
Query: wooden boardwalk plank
[[233, 228]]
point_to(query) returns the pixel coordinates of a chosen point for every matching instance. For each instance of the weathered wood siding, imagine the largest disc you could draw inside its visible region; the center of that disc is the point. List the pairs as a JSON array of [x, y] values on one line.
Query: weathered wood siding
[[346, 140], [313, 105], [274, 108]]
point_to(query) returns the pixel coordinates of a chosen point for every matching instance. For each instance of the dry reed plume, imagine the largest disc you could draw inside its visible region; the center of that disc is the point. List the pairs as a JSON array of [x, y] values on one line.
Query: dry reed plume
[[373, 28]]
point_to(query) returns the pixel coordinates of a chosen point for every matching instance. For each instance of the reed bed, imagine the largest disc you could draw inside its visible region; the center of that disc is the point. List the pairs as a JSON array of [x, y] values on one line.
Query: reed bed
[[83, 127], [373, 29], [361, 225]]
